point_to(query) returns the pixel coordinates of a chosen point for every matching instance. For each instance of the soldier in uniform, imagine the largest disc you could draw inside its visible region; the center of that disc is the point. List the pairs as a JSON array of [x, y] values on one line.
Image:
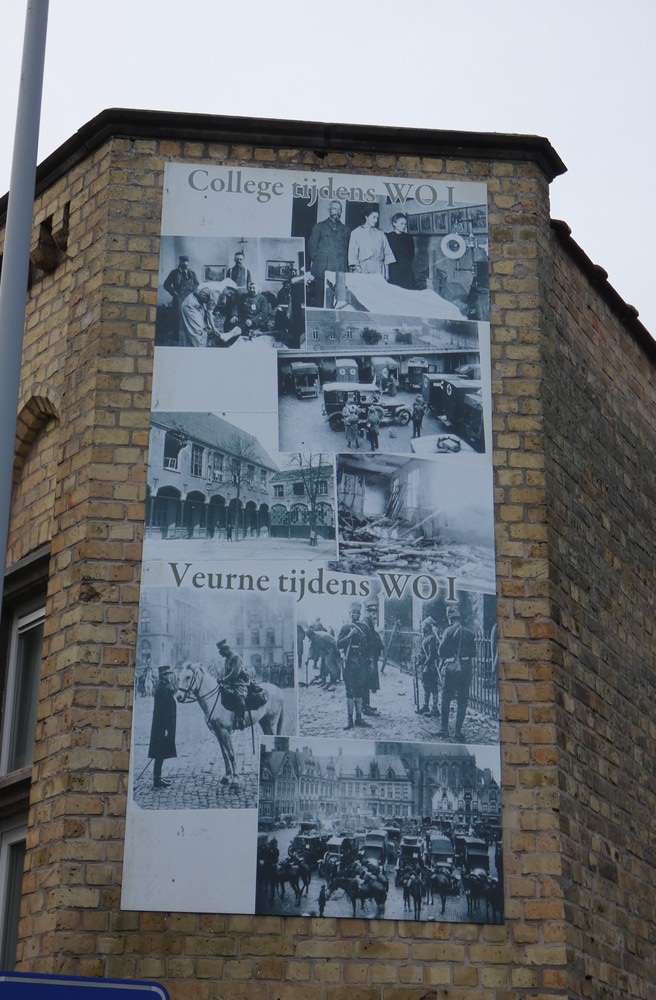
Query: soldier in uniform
[[353, 640], [254, 311], [236, 679], [372, 680], [428, 661], [457, 650]]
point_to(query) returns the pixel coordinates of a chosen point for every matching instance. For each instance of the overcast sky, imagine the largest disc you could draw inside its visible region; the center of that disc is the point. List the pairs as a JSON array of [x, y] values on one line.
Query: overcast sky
[[580, 72]]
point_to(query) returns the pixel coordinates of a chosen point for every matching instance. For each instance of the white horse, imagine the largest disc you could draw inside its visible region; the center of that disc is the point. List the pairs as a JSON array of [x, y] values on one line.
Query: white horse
[[196, 685]]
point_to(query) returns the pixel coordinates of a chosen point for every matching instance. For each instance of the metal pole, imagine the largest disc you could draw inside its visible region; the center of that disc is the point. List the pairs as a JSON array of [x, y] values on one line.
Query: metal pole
[[16, 258]]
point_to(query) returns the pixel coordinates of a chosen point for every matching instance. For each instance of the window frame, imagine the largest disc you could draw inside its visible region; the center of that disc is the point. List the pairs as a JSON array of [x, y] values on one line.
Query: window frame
[[25, 592], [12, 833], [24, 617]]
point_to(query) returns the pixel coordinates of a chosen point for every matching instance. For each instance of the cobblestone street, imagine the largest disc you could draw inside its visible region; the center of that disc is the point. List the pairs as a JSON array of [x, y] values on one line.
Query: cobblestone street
[[303, 426], [196, 773], [323, 713]]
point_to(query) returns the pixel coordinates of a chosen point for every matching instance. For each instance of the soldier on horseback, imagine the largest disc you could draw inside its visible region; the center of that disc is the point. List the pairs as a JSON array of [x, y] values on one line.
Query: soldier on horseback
[[235, 681]]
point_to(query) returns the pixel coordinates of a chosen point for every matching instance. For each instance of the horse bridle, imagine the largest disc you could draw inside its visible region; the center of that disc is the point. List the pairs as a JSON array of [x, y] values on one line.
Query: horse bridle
[[191, 695]]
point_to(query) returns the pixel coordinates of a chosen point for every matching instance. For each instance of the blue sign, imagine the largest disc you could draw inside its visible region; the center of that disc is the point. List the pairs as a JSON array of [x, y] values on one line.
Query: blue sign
[[35, 986]]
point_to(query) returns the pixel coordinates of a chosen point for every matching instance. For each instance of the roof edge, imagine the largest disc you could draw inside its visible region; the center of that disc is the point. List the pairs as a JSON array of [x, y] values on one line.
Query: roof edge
[[598, 278], [322, 137]]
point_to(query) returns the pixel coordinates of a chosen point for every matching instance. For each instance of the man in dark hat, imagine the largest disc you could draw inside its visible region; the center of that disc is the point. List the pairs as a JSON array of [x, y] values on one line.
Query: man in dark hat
[[162, 730], [372, 680], [353, 641], [235, 680], [429, 662], [179, 284], [457, 650]]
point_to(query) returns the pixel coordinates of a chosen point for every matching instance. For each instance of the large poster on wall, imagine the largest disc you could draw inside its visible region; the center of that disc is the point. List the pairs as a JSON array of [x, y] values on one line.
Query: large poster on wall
[[316, 720]]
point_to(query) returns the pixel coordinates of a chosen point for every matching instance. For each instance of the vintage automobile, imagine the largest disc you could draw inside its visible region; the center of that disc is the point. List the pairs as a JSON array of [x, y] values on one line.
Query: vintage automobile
[[476, 854], [311, 847], [393, 841], [417, 368], [375, 847], [305, 379], [344, 849], [384, 372], [439, 850], [411, 850], [337, 394], [347, 370], [457, 400]]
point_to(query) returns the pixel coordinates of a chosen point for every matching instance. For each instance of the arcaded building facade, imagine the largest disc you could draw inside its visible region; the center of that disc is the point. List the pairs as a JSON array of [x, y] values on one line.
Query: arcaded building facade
[[567, 553]]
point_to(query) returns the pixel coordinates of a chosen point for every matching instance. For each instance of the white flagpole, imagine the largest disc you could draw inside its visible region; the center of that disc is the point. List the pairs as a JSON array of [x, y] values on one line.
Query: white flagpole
[[16, 257]]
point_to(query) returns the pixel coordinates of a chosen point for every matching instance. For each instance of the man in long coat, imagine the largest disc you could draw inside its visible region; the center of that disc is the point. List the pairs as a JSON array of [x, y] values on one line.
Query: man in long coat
[[353, 640], [162, 730], [428, 660], [327, 250], [372, 681], [457, 651]]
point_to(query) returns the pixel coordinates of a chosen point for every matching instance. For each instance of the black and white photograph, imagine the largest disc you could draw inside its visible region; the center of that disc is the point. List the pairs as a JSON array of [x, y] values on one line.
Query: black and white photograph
[[384, 255], [216, 292], [213, 488], [416, 659], [384, 829], [417, 515], [430, 404], [214, 671], [318, 557], [344, 330]]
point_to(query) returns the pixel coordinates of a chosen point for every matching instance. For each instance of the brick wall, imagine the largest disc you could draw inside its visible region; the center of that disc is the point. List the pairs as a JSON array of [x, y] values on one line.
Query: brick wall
[[600, 439], [90, 334]]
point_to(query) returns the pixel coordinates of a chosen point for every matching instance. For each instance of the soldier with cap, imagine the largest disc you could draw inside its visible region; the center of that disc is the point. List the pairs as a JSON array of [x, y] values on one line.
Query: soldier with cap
[[372, 680], [180, 282], [457, 650], [353, 641], [235, 680], [428, 660], [162, 730]]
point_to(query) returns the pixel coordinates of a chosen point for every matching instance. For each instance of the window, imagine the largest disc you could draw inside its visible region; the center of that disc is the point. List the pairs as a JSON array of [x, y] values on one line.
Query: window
[[278, 490], [215, 469], [21, 646], [298, 489], [322, 488], [197, 460], [172, 446], [12, 857], [22, 688]]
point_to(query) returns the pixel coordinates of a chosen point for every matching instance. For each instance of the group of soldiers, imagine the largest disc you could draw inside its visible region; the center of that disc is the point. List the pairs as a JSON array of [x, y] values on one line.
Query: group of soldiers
[[352, 656], [445, 662], [359, 420], [442, 670]]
